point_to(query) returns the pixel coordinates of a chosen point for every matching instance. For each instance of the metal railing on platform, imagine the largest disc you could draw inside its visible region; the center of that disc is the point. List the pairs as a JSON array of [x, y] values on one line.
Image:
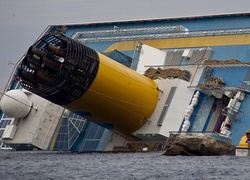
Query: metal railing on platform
[[144, 33]]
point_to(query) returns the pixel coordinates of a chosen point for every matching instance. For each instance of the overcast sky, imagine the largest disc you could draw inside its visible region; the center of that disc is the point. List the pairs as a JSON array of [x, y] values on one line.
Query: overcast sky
[[22, 21]]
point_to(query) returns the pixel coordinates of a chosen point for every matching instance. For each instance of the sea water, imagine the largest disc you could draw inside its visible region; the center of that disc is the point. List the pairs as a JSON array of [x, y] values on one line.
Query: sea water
[[60, 165]]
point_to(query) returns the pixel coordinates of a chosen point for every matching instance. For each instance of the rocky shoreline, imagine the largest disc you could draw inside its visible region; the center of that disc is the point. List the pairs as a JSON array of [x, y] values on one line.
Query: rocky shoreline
[[199, 146]]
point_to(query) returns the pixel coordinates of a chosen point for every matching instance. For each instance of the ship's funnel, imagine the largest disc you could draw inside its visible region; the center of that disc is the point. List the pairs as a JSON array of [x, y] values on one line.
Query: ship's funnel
[[89, 83]]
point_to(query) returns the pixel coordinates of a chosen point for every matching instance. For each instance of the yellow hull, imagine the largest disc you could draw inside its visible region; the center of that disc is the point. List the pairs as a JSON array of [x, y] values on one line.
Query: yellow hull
[[118, 97]]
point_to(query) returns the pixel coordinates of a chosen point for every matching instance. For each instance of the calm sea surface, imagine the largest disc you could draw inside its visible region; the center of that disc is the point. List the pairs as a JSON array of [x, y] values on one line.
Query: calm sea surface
[[52, 165]]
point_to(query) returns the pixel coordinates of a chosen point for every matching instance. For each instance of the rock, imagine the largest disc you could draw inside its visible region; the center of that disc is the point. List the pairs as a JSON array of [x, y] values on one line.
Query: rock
[[199, 146], [169, 73]]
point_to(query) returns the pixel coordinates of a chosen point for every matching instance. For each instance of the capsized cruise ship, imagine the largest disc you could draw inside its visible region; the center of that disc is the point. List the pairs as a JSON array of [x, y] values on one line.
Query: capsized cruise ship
[[130, 85]]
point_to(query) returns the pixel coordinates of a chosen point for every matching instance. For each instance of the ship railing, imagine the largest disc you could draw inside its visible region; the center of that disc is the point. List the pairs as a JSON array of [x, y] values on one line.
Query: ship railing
[[146, 34]]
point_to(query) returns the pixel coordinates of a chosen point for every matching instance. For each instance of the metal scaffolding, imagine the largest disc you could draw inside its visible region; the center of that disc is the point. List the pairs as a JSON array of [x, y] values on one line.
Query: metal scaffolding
[[117, 30], [202, 65]]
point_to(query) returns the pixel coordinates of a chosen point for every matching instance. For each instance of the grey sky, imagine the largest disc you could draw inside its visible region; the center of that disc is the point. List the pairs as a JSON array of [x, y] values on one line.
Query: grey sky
[[22, 21]]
